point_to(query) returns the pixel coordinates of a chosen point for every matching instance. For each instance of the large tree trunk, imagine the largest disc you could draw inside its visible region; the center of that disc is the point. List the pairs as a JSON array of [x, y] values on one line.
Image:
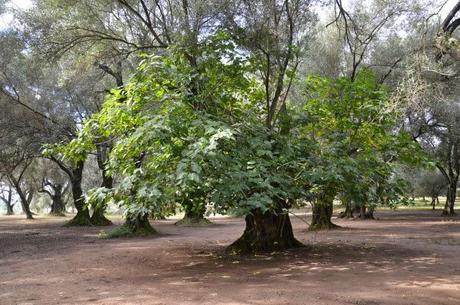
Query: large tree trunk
[[139, 225], [82, 218], [194, 214], [322, 212], [98, 218], [57, 204], [450, 200], [265, 232]]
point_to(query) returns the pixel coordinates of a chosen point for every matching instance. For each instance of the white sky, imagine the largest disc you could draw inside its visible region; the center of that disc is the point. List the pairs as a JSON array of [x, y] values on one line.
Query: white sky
[[7, 18]]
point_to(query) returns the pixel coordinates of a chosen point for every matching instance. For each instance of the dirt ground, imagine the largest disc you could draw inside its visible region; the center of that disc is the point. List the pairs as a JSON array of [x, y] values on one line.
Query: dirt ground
[[402, 258]]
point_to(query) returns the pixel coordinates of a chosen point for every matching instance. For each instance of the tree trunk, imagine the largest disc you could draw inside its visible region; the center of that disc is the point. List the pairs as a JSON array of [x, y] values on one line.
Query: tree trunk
[[8, 201], [194, 214], [9, 209], [57, 206], [433, 203], [25, 201], [348, 213], [98, 218], [139, 225], [450, 200], [365, 213], [82, 218], [322, 212], [265, 232]]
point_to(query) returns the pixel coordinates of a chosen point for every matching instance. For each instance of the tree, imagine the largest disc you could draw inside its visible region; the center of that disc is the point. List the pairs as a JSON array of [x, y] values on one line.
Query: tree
[[56, 192], [6, 195], [14, 164], [352, 125], [445, 40]]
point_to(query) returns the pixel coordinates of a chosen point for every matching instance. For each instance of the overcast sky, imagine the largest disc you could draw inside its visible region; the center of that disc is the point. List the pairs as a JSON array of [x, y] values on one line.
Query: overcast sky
[[6, 19]]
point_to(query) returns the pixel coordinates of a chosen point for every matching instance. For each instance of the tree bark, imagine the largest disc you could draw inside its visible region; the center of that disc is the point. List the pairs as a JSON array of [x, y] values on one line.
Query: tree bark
[[194, 214], [8, 201], [265, 232], [9, 209], [139, 225], [450, 200], [322, 212], [98, 218], [365, 213], [82, 218], [348, 213], [25, 203]]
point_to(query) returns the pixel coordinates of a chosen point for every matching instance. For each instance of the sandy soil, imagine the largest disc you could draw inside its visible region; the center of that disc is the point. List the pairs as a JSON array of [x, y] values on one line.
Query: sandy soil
[[403, 258]]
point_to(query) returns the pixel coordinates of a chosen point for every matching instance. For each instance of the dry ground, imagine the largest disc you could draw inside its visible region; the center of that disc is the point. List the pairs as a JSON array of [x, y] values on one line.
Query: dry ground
[[403, 258]]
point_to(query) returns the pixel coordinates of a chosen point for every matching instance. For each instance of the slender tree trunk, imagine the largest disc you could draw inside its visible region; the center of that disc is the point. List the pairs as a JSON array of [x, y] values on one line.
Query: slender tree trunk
[[82, 218], [450, 200], [433, 203], [265, 232], [24, 203], [322, 212]]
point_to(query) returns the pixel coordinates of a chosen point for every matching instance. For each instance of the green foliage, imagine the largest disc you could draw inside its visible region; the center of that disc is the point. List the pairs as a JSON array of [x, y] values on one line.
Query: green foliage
[[189, 129], [352, 125]]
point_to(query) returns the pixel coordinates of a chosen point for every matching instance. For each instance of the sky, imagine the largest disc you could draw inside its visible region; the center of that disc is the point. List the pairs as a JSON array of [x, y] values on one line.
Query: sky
[[7, 18]]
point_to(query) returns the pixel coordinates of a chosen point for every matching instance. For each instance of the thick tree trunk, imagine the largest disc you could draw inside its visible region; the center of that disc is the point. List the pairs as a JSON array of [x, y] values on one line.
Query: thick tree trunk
[[450, 200], [57, 205], [82, 218], [265, 232], [139, 225], [322, 212], [98, 218], [194, 214]]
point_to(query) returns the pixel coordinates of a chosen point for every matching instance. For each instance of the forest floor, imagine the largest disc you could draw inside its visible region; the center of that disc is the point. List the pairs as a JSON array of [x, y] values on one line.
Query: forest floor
[[405, 257]]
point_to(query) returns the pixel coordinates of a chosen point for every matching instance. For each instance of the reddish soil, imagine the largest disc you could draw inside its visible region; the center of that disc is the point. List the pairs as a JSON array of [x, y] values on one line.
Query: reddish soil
[[402, 258]]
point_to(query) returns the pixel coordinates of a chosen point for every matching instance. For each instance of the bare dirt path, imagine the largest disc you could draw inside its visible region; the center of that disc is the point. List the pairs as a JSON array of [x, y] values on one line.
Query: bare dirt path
[[403, 258]]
